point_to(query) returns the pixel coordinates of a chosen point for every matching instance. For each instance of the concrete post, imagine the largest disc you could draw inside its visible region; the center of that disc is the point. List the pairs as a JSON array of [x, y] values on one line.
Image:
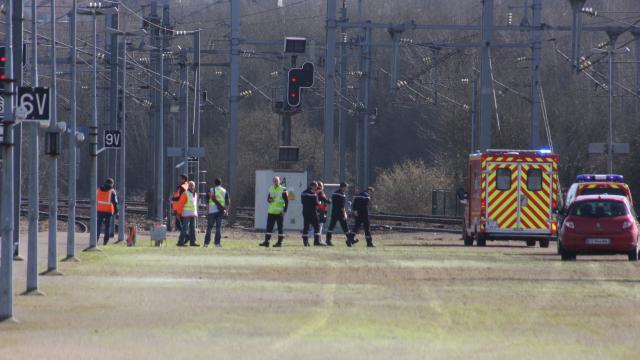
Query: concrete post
[[6, 223], [52, 256], [34, 189], [18, 8], [71, 140]]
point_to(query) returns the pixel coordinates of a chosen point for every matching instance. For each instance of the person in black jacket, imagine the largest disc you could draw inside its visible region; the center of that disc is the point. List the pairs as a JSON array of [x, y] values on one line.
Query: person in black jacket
[[339, 214], [309, 199], [360, 206]]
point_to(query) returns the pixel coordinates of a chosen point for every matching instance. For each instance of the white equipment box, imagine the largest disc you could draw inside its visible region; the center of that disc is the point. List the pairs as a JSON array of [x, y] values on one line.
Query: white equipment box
[[295, 182]]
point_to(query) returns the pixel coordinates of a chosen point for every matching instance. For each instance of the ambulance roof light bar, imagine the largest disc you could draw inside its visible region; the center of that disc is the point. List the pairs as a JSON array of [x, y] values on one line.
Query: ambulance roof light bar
[[600, 177], [539, 151]]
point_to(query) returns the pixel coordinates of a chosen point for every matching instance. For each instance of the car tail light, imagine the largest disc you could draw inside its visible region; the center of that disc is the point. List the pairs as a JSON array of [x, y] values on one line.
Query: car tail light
[[626, 225], [570, 224]]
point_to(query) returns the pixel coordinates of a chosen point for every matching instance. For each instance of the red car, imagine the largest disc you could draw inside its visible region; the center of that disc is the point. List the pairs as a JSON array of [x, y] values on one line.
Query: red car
[[599, 224]]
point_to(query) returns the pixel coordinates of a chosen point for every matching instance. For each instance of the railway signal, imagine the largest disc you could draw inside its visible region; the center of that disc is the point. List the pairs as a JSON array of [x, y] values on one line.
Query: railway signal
[[3, 64], [299, 78]]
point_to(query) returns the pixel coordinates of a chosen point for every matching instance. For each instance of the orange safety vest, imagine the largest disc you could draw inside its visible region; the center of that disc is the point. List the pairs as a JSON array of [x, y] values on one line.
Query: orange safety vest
[[175, 198], [104, 201]]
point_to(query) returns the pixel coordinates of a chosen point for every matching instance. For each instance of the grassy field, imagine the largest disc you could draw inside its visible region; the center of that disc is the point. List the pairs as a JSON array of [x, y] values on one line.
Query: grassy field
[[415, 297]]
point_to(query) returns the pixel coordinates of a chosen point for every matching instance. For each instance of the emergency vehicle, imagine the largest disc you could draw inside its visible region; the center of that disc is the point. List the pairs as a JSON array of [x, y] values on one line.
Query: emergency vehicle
[[511, 195], [597, 184]]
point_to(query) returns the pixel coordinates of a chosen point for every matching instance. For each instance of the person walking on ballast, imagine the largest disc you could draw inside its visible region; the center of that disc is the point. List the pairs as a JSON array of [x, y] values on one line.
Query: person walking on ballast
[[188, 206], [107, 207], [278, 200], [309, 199], [339, 215], [218, 204], [361, 203]]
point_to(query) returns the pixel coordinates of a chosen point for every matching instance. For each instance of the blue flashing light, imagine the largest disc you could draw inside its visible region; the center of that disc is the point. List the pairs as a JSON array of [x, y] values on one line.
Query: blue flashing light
[[544, 151], [600, 177]]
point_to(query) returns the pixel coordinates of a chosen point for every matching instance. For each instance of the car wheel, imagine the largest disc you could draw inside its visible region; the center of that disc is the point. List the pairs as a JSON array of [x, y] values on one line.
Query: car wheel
[[481, 240], [544, 243], [468, 240], [633, 255], [565, 255], [531, 243]]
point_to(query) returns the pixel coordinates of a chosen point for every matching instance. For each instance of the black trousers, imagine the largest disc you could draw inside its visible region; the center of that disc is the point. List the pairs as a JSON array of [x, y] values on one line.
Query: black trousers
[[106, 218], [338, 219], [310, 220], [274, 219], [363, 222]]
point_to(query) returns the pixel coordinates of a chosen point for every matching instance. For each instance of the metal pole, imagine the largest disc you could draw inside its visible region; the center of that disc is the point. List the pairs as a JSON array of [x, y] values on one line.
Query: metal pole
[[18, 8], [184, 116], [329, 90], [93, 138], [196, 100], [342, 115], [233, 104], [636, 36], [52, 258], [536, 54], [610, 138], [576, 6], [71, 223], [123, 187], [34, 190], [474, 114], [395, 60], [366, 117], [435, 74], [110, 157], [160, 143], [6, 225], [485, 76]]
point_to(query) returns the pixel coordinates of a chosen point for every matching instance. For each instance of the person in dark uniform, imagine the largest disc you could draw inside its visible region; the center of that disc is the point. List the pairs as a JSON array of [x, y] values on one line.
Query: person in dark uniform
[[278, 200], [309, 199], [322, 208], [339, 214], [360, 207]]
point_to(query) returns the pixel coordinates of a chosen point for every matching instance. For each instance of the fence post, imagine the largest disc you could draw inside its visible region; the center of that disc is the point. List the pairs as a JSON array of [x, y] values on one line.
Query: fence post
[[434, 202]]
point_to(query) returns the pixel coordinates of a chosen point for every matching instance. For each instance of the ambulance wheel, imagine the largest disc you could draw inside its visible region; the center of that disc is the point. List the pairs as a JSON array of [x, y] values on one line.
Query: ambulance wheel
[[481, 240], [468, 240], [531, 243], [544, 243]]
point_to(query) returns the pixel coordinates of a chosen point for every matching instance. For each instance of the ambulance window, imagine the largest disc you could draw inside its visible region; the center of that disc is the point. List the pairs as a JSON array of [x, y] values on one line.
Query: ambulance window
[[503, 179], [534, 179]]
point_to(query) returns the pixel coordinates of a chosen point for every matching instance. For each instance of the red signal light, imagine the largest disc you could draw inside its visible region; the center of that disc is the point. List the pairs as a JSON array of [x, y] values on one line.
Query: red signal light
[[3, 59], [293, 79]]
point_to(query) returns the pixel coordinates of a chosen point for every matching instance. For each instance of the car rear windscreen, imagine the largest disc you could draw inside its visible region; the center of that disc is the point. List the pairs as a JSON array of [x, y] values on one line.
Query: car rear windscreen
[[599, 208], [602, 191]]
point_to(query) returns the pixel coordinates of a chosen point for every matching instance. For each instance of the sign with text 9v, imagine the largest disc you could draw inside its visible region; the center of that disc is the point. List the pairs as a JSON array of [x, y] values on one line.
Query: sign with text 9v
[[112, 138], [36, 102]]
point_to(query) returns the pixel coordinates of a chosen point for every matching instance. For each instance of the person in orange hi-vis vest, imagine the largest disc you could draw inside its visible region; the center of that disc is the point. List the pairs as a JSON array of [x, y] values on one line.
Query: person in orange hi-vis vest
[[175, 198], [188, 207], [107, 207]]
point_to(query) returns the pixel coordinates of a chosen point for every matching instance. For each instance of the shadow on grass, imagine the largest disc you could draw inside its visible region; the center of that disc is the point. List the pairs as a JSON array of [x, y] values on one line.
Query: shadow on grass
[[461, 245]]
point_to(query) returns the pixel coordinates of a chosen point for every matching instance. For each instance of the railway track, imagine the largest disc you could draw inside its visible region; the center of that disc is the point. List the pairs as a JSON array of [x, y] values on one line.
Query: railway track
[[380, 221]]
